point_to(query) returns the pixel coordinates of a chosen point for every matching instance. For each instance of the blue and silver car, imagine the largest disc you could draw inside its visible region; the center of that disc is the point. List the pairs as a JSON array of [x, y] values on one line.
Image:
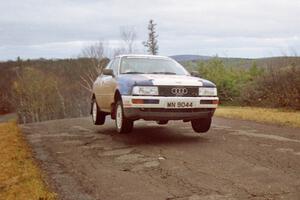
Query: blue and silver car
[[157, 88]]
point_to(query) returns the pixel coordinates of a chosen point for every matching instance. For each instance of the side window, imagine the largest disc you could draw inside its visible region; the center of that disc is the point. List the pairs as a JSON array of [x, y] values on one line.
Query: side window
[[115, 65]]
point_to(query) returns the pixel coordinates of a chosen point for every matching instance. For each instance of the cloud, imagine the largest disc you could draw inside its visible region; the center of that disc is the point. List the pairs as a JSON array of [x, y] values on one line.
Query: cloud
[[248, 28]]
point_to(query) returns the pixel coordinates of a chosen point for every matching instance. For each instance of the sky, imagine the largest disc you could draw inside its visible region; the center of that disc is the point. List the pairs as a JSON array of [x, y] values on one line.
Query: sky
[[227, 28]]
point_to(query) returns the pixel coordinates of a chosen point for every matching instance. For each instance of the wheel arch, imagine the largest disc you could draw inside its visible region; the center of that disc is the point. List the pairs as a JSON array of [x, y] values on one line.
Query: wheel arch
[[93, 98], [117, 97]]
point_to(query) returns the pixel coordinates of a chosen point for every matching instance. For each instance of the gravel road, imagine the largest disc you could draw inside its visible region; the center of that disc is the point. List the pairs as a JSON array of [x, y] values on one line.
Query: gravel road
[[235, 160]]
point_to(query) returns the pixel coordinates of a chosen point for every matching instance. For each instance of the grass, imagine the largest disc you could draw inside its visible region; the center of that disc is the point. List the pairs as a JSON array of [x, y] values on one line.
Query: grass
[[268, 115], [20, 178]]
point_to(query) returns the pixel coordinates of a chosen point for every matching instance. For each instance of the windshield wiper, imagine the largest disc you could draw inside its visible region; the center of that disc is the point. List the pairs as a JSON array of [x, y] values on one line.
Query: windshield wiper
[[133, 73], [163, 73]]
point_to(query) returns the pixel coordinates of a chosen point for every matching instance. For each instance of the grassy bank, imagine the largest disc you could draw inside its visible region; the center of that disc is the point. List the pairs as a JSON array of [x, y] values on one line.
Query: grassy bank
[[268, 115], [20, 178]]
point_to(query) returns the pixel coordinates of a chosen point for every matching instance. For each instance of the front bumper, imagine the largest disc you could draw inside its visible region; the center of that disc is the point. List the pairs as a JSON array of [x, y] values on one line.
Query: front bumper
[[202, 108]]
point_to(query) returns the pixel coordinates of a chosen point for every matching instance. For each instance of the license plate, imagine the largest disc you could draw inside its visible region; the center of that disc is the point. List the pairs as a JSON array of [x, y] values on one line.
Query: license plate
[[179, 104]]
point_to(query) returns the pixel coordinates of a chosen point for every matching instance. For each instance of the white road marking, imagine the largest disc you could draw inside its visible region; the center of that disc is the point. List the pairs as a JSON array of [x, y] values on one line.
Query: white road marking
[[219, 127], [297, 153], [260, 135], [288, 150], [285, 150]]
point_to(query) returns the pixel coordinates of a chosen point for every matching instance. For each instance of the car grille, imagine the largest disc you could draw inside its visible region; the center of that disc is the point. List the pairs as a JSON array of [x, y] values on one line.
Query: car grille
[[180, 91]]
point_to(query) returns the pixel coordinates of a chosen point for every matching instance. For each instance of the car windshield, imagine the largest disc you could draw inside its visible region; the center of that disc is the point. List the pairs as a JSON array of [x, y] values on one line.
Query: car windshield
[[134, 65]]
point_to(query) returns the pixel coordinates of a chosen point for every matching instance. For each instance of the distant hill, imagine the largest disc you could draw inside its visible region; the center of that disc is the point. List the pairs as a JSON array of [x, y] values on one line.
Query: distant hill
[[191, 60], [186, 57]]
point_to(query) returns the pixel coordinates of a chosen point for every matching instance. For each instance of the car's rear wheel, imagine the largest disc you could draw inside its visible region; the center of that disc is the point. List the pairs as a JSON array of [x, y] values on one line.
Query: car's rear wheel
[[201, 125], [97, 116], [123, 125], [162, 122]]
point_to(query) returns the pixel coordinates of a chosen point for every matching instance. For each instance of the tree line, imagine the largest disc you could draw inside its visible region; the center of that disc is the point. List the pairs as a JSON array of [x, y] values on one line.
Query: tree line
[[41, 90]]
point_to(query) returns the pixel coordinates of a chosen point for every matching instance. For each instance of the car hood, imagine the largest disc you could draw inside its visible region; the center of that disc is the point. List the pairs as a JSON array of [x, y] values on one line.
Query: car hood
[[159, 79], [162, 79]]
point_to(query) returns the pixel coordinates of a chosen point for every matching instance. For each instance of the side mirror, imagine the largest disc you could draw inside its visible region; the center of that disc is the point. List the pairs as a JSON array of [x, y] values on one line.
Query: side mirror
[[195, 73], [108, 72]]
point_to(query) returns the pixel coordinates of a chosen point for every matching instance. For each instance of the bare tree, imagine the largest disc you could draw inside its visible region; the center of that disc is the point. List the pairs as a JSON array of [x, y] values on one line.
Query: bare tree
[[36, 96], [119, 51], [128, 35], [88, 78], [96, 54]]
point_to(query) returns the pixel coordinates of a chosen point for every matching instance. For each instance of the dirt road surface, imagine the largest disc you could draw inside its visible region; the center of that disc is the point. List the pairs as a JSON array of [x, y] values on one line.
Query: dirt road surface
[[234, 160]]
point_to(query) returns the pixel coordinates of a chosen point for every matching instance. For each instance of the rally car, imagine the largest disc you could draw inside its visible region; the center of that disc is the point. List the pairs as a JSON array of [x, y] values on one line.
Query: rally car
[[157, 88]]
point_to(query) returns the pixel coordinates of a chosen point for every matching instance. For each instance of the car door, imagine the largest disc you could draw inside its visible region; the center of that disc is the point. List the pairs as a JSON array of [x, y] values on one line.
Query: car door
[[109, 85]]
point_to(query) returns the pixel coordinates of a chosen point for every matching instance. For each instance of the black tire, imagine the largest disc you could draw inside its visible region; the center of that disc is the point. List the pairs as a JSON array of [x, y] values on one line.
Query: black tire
[[97, 116], [201, 125], [123, 125], [162, 122]]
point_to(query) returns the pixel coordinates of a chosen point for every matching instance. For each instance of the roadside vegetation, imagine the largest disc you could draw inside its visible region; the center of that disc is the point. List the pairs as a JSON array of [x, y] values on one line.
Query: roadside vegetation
[[268, 83], [20, 178], [39, 90], [262, 90], [268, 115]]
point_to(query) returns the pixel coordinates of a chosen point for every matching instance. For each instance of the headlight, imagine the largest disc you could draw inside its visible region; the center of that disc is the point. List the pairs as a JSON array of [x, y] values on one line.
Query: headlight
[[207, 91], [145, 90]]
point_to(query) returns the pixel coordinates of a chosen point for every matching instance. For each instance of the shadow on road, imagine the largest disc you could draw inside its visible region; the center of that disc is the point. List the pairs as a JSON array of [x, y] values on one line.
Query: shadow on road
[[155, 135]]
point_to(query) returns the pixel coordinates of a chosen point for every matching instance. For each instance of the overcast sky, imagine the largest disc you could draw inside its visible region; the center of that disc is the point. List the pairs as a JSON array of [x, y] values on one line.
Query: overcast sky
[[230, 28]]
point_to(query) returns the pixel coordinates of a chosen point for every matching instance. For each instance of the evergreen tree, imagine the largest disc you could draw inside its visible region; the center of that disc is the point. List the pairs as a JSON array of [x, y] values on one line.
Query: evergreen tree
[[255, 71], [151, 43]]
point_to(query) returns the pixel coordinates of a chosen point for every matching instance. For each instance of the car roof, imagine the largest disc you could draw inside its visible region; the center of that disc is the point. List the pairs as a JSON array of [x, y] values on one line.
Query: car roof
[[142, 56]]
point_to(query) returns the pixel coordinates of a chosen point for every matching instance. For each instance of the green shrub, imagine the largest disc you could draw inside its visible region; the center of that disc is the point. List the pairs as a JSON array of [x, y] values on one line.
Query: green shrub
[[272, 86], [229, 80], [277, 87]]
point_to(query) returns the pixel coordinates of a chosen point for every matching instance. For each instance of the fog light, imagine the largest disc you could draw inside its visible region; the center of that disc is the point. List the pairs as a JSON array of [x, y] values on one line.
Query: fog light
[[215, 102], [209, 101], [137, 101]]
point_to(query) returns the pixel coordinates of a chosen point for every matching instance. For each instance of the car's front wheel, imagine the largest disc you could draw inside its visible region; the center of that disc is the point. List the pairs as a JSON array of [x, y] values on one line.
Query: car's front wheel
[[201, 125], [123, 125], [97, 115]]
